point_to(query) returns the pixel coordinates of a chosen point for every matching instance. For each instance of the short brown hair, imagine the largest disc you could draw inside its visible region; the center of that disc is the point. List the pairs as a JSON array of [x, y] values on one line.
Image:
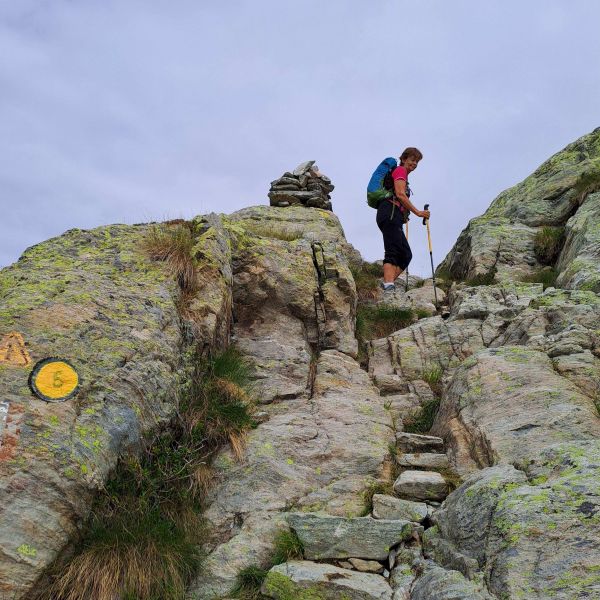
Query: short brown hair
[[411, 153]]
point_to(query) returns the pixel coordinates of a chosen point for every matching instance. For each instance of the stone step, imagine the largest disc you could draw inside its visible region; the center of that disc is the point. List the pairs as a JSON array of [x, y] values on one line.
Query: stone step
[[421, 485], [415, 442], [424, 461], [366, 566], [305, 579], [329, 537], [390, 507]]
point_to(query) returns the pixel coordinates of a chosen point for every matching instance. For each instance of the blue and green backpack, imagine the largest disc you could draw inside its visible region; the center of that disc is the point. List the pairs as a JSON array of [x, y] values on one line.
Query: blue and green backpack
[[381, 184]]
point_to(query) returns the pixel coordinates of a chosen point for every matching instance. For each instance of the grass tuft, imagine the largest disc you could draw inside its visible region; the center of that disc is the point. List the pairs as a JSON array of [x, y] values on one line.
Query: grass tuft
[[173, 245], [249, 581], [422, 421], [422, 313], [381, 320], [376, 487], [548, 243], [444, 278], [287, 547]]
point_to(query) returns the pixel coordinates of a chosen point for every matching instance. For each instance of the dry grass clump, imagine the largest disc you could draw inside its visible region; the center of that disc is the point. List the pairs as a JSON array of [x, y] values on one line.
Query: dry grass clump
[[173, 245], [143, 538]]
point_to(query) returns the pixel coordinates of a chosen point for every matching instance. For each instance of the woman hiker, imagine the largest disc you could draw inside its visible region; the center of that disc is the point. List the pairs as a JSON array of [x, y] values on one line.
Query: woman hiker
[[392, 213]]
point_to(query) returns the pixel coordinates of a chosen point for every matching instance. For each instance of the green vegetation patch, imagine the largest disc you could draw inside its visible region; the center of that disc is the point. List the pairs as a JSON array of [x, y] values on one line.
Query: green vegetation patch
[[422, 420]]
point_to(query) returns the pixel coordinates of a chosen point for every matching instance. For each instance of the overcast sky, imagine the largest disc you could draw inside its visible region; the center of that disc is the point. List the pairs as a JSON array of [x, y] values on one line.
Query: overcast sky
[[123, 111]]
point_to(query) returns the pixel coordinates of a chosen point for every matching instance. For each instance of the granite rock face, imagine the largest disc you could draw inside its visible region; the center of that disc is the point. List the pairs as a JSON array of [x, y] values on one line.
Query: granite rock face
[[304, 186], [559, 194]]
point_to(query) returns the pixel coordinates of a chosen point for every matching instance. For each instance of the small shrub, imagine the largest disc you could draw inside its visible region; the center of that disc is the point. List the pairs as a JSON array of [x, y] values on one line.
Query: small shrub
[[173, 245], [287, 547], [546, 276], [381, 320], [483, 278], [547, 244], [422, 313], [366, 278]]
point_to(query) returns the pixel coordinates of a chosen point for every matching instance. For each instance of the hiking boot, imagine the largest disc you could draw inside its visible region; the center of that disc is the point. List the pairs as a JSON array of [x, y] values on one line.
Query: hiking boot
[[390, 287]]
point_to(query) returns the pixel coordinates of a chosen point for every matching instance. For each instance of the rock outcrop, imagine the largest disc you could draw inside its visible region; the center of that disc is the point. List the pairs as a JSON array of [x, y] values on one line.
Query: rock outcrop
[[561, 194], [495, 496]]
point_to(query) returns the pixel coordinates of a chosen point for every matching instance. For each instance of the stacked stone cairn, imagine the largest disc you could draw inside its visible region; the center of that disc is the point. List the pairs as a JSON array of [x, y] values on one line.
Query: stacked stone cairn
[[305, 186]]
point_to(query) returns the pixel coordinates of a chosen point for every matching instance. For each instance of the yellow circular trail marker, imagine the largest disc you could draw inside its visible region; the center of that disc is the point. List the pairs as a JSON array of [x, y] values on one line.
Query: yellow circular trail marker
[[54, 380]]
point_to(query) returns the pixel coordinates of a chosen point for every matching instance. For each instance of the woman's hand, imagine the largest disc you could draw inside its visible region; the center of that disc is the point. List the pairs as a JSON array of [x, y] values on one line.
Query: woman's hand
[[424, 214]]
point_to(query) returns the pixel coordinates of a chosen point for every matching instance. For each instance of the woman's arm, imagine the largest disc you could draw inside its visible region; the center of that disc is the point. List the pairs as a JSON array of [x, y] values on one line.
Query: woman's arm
[[400, 190]]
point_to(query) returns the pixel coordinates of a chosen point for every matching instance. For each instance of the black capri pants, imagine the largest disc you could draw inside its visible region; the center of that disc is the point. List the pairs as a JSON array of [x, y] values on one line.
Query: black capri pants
[[397, 250]]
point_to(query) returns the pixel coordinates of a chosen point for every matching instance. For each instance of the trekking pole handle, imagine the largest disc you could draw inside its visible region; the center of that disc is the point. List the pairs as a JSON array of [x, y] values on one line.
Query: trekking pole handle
[[426, 207]]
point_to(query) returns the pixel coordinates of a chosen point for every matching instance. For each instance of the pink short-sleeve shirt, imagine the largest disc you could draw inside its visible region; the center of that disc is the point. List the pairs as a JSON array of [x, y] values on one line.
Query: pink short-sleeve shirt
[[399, 173]]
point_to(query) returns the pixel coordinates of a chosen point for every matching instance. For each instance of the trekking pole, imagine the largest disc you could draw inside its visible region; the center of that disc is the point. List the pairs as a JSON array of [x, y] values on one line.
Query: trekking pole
[[426, 222], [407, 265]]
